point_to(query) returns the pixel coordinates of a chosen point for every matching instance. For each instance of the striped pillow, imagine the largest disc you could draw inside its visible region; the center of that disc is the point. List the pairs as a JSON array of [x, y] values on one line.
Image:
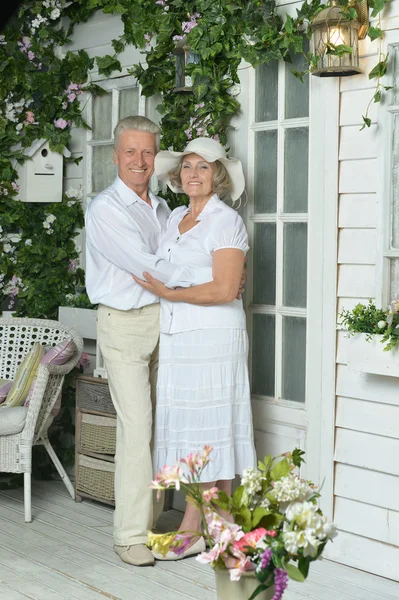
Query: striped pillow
[[24, 377]]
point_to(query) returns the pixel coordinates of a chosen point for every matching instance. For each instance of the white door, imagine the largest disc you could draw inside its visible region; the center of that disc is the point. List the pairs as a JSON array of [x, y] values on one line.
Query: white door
[[277, 221]]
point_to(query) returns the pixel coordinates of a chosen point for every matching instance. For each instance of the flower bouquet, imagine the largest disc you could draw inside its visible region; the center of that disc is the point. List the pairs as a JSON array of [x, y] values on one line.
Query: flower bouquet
[[278, 529]]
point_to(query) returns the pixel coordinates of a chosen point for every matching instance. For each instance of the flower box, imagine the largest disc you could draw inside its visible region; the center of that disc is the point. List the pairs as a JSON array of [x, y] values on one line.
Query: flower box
[[369, 356], [83, 320]]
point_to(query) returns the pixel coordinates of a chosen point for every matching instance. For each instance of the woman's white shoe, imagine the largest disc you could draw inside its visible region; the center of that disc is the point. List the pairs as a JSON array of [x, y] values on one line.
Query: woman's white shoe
[[196, 548]]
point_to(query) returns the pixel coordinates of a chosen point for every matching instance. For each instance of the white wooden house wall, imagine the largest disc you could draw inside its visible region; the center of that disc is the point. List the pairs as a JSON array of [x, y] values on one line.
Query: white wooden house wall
[[359, 456]]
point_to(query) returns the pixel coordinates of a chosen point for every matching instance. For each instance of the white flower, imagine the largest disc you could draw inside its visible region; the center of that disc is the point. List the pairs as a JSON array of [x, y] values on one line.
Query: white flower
[[55, 13], [71, 203], [252, 480], [234, 90], [50, 219], [19, 126], [2, 40], [1, 229], [7, 248], [291, 488], [28, 242], [381, 324], [74, 193]]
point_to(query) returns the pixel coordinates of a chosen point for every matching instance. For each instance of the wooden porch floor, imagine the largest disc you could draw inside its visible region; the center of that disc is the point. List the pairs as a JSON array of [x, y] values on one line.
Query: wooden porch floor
[[66, 554]]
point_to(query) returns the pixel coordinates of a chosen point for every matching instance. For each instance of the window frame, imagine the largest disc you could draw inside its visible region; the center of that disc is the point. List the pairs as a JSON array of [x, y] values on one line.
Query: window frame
[[279, 311]]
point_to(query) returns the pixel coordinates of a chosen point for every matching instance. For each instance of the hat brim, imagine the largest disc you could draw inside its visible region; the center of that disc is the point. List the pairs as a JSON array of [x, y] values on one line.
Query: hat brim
[[167, 160]]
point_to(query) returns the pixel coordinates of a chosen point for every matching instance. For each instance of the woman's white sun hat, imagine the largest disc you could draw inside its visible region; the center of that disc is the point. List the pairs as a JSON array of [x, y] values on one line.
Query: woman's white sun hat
[[210, 150]]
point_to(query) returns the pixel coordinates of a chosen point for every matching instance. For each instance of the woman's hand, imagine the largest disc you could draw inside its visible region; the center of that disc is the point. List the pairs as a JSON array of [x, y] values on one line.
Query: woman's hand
[[153, 285]]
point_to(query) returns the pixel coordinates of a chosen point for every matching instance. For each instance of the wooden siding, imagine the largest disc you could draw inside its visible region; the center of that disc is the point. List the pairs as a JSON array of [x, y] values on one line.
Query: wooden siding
[[366, 487]]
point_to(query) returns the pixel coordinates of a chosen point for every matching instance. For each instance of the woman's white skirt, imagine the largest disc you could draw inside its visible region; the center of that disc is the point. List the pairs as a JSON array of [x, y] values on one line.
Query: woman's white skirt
[[203, 397]]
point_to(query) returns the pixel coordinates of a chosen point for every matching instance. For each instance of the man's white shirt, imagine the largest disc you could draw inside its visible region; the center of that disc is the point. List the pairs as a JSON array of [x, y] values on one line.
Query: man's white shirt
[[122, 236]]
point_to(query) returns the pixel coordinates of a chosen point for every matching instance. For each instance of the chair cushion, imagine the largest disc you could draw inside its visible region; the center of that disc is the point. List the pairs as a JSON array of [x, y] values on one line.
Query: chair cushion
[[24, 377], [12, 420], [5, 386], [60, 354]]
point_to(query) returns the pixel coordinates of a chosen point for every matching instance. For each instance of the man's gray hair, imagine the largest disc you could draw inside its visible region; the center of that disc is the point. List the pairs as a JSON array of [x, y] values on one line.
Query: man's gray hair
[[139, 124]]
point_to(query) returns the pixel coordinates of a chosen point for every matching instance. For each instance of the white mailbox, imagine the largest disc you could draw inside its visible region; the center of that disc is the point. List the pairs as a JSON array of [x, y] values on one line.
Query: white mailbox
[[41, 175]]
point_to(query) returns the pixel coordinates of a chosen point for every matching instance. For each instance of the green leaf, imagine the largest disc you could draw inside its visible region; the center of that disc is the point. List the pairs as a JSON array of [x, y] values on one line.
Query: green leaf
[[258, 514], [288, 24], [261, 588], [366, 123], [281, 469], [293, 572], [377, 6], [303, 565], [374, 33], [377, 96], [380, 69]]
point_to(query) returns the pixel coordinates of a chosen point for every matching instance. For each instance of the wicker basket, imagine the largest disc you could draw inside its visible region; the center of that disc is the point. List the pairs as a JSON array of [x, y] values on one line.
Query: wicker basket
[[95, 479], [97, 434], [92, 393]]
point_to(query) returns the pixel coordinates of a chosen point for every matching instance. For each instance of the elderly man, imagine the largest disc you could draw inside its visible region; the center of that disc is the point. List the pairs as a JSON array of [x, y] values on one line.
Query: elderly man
[[123, 227]]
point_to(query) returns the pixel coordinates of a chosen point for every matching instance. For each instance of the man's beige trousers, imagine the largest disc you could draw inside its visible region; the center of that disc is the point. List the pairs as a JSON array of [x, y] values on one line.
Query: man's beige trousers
[[129, 343]]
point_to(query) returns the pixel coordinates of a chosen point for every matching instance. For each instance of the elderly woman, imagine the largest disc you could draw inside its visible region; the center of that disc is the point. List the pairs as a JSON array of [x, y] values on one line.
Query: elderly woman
[[203, 394]]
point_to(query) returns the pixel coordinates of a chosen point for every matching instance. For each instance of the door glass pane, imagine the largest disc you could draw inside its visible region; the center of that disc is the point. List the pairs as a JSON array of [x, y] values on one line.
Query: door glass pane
[[266, 91], [296, 92], [264, 260], [295, 264], [294, 359], [394, 279], [265, 171], [296, 170], [129, 102], [263, 354], [395, 183], [102, 117], [104, 169]]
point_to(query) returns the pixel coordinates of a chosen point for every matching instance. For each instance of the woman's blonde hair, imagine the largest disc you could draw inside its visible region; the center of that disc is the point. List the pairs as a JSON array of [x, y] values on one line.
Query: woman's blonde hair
[[221, 182]]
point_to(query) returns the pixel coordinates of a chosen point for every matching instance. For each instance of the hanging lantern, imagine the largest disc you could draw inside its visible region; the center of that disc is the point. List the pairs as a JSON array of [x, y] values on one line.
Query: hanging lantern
[[330, 30], [184, 56]]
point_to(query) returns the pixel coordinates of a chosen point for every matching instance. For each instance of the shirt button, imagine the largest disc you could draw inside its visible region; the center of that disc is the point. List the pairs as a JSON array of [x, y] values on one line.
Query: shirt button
[[168, 249]]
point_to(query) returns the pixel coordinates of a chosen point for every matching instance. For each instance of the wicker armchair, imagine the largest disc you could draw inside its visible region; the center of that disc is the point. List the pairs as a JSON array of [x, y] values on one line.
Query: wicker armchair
[[16, 339]]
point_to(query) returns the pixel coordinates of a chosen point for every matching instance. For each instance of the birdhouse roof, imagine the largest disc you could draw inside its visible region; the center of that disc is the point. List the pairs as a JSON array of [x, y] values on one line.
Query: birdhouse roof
[[37, 144]]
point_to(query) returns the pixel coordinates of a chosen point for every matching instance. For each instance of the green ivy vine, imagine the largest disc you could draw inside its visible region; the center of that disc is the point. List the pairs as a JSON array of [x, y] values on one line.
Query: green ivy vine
[[41, 89]]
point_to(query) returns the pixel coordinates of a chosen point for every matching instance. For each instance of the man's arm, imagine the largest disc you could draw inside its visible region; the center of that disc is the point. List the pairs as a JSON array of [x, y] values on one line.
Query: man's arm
[[112, 235], [228, 266]]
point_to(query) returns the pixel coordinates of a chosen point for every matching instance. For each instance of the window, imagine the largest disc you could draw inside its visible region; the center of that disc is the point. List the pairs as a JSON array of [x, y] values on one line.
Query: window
[[277, 223], [122, 99], [392, 247]]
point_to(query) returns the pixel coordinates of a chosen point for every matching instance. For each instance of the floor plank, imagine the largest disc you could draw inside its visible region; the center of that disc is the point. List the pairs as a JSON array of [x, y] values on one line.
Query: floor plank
[[66, 554]]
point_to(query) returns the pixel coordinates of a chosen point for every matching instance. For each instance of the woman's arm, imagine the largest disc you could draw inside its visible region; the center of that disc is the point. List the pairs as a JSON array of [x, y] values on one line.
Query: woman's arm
[[227, 270]]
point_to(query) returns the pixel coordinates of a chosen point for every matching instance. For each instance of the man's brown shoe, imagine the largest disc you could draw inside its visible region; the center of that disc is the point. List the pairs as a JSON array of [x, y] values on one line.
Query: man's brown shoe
[[138, 555]]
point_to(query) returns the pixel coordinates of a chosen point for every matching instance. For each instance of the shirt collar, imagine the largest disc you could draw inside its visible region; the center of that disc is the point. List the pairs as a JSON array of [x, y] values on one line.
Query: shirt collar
[[214, 204], [128, 196]]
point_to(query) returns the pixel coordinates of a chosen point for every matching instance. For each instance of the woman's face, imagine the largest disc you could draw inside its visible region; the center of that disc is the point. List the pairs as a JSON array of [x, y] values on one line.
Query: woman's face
[[196, 176]]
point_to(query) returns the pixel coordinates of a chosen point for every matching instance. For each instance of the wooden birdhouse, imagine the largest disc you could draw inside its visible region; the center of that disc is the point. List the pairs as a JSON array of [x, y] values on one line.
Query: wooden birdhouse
[[40, 177]]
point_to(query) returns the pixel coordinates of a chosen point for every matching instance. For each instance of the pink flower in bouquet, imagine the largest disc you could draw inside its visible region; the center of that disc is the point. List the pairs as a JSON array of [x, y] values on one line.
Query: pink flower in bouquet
[[193, 462], [167, 477], [210, 494], [238, 564], [250, 539]]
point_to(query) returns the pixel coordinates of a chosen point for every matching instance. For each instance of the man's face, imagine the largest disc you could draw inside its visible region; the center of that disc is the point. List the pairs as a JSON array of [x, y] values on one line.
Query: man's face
[[135, 157]]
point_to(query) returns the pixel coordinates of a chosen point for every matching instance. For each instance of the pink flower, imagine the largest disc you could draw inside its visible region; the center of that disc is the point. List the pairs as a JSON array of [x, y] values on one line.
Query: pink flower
[[73, 265], [249, 540], [64, 105], [61, 123], [168, 477], [15, 186], [147, 37], [71, 97], [30, 117], [31, 55], [216, 137], [84, 360], [210, 494]]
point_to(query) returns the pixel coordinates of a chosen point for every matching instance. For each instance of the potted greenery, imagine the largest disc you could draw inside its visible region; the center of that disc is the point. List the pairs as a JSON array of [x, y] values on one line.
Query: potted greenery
[[278, 529], [374, 334]]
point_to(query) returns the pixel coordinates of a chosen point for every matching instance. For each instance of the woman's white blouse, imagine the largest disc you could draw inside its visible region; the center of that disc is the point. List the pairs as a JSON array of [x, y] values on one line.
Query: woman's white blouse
[[219, 227]]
